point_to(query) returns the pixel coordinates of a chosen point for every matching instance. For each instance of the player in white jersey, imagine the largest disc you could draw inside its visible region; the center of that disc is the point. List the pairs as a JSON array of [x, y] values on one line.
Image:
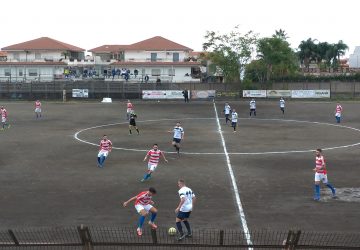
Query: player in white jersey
[[282, 105], [183, 210], [178, 136], [154, 157], [234, 119], [338, 111], [105, 149], [252, 107], [38, 109], [227, 112]]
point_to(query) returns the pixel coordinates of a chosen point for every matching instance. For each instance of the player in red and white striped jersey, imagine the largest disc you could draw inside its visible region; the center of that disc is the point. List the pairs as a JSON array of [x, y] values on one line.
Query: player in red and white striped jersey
[[105, 149], [154, 157], [4, 118], [321, 174], [38, 109], [338, 111], [143, 205]]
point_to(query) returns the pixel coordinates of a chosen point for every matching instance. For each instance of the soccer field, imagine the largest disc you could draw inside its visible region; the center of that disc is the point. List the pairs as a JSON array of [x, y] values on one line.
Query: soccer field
[[264, 171]]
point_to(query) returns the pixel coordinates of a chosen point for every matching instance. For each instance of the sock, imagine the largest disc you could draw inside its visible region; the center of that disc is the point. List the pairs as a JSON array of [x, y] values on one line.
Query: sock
[[99, 160], [179, 227], [147, 176], [317, 191], [187, 225], [138, 131], [254, 113], [250, 113], [102, 159], [331, 187], [141, 221], [130, 131], [153, 216]]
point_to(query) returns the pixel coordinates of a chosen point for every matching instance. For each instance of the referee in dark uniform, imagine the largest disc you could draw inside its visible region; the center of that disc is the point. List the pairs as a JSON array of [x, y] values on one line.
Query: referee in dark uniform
[[132, 123]]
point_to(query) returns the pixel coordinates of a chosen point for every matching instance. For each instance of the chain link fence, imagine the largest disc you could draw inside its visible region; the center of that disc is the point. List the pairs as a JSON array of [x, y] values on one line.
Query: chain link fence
[[93, 237]]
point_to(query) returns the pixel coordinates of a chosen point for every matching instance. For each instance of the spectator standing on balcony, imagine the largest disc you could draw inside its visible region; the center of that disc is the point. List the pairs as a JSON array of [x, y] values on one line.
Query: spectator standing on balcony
[[338, 111], [144, 205], [252, 107], [4, 118], [146, 78], [38, 109], [136, 72], [129, 109]]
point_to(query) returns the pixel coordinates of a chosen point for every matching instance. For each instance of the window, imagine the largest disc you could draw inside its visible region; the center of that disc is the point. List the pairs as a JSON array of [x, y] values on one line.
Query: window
[[37, 56], [7, 72], [175, 57], [16, 56], [33, 72], [171, 72], [155, 72], [153, 57], [20, 72]]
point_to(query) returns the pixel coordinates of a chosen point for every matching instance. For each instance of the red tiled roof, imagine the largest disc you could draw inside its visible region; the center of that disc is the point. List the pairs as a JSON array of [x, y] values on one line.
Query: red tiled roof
[[157, 43], [43, 43], [109, 48], [156, 63], [33, 63], [3, 53]]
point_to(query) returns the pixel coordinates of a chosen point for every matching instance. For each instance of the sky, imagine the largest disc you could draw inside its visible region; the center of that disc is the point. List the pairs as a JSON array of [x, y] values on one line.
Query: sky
[[89, 24]]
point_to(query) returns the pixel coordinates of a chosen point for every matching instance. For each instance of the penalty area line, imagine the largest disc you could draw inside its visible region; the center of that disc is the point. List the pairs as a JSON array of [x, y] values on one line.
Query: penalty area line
[[233, 182]]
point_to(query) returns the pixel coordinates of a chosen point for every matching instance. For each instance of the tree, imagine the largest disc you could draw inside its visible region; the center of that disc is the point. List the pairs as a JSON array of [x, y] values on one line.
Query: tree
[[307, 51], [256, 71], [276, 52], [280, 34], [230, 52]]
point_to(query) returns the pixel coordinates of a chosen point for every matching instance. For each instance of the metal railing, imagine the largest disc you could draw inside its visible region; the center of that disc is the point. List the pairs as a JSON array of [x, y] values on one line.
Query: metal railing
[[92, 237]]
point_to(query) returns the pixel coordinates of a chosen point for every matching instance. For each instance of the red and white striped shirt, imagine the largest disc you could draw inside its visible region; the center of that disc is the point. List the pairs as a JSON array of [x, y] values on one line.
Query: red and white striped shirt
[[4, 113], [154, 156], [338, 109], [144, 198], [105, 145], [129, 105], [320, 163], [37, 104]]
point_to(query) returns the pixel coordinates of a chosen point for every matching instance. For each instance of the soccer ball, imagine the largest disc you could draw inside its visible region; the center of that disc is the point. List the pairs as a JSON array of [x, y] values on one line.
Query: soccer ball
[[172, 231]]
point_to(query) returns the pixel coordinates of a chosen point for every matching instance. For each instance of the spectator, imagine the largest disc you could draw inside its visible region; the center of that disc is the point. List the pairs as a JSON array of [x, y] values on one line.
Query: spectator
[[146, 78], [136, 72], [158, 81]]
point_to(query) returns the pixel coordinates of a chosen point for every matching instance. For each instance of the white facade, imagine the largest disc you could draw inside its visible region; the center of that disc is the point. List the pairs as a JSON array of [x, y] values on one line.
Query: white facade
[[161, 56], [34, 56], [354, 59], [24, 73]]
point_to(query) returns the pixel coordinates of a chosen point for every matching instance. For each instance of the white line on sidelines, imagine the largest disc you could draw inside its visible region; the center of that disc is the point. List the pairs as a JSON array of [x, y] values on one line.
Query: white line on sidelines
[[233, 181]]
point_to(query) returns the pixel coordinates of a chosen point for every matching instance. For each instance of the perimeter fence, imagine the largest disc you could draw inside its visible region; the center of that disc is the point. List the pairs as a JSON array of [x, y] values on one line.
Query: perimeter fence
[[93, 238], [121, 90]]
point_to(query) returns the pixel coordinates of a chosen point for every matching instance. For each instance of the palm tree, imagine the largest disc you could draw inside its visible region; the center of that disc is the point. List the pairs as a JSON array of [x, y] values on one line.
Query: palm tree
[[307, 52], [280, 34]]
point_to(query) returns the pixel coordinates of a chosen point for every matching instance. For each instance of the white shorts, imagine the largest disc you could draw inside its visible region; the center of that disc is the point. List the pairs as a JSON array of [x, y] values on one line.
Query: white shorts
[[128, 110], [140, 207], [152, 166], [38, 110], [3, 119], [103, 153], [321, 177]]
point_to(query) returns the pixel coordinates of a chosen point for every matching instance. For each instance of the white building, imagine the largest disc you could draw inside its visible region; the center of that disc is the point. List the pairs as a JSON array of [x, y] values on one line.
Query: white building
[[354, 59], [157, 58], [42, 59]]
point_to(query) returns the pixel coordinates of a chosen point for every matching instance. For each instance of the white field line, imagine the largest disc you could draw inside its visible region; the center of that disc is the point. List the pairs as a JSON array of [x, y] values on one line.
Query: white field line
[[233, 181], [76, 136]]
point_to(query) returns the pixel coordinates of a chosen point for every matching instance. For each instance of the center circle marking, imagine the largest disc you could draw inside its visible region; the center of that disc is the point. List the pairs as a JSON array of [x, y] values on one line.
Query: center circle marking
[[76, 136]]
